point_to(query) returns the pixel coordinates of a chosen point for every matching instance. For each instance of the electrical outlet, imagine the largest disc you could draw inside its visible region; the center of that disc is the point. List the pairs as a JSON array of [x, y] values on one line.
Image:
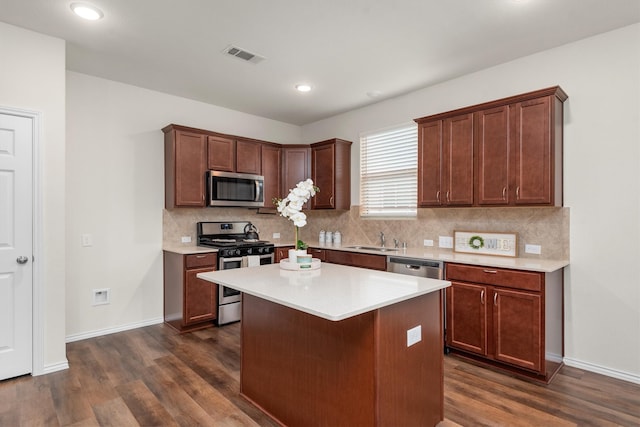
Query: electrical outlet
[[445, 241], [186, 239], [414, 335], [533, 249], [276, 235], [428, 242], [87, 240], [101, 296]]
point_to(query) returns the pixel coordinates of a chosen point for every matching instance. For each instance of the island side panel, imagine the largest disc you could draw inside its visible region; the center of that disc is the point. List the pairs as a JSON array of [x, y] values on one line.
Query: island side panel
[[410, 380], [304, 370]]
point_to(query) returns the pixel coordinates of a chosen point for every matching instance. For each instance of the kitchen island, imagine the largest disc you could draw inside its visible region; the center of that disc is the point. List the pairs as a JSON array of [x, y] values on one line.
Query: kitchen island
[[340, 346]]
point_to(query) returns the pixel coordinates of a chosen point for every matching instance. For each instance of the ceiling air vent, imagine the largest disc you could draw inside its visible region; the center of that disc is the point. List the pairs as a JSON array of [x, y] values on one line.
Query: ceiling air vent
[[243, 54]]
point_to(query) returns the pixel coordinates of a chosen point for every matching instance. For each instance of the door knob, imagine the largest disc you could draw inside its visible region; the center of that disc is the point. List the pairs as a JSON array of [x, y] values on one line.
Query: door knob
[[22, 260]]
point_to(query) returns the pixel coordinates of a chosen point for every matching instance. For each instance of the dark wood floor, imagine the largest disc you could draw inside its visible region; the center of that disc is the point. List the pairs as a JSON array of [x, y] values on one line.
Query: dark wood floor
[[154, 377]]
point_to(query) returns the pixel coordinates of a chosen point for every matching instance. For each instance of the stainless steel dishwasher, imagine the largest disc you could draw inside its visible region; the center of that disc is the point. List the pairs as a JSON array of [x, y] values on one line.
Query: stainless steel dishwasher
[[416, 267]]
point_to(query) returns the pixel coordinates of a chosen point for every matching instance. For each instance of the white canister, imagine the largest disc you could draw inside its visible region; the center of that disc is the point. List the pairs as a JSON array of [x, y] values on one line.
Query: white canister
[[328, 237], [337, 238], [321, 238]]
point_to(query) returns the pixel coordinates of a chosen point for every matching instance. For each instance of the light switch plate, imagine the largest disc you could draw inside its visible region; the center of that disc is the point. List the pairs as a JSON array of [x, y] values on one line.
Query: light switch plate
[[186, 239], [428, 242], [445, 241], [276, 235], [87, 240], [533, 249], [414, 335]]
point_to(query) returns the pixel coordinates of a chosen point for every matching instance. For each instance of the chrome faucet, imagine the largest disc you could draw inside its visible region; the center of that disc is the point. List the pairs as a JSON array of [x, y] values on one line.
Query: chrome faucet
[[381, 239], [396, 243]]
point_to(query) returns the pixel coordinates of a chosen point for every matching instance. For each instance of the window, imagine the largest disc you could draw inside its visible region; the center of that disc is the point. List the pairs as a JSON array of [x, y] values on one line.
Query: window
[[389, 172]]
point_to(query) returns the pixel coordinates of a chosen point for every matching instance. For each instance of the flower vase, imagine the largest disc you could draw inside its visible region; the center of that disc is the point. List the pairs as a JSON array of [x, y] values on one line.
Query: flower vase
[[294, 253]]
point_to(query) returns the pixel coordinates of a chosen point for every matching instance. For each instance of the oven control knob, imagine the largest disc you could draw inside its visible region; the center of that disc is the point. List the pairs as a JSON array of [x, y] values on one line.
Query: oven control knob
[[238, 252], [260, 250], [249, 251]]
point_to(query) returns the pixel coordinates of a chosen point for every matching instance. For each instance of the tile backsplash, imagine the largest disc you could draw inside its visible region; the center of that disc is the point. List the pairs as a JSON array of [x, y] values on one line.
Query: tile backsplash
[[548, 227]]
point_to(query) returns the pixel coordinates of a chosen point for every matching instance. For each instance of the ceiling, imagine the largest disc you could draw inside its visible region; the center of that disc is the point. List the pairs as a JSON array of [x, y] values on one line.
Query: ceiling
[[352, 52]]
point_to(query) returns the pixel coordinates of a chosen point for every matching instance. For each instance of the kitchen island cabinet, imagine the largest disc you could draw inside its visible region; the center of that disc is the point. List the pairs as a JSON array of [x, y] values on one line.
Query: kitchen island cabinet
[[309, 361], [190, 303], [508, 318]]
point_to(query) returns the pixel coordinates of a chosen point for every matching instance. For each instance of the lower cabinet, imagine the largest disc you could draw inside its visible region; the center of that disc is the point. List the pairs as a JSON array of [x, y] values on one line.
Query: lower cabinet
[[356, 259], [281, 253], [190, 303], [508, 318]]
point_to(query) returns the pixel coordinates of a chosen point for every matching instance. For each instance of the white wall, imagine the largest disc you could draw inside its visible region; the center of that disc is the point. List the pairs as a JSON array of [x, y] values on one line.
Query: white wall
[[32, 77], [601, 183], [115, 192]]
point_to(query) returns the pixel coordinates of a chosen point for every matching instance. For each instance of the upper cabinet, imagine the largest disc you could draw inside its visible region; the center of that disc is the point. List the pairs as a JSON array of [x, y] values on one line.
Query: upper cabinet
[[296, 167], [501, 153], [271, 169], [185, 154], [331, 173], [234, 155], [445, 153]]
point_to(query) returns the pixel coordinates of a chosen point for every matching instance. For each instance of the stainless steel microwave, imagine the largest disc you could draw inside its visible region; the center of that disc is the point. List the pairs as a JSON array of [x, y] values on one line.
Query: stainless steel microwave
[[235, 189]]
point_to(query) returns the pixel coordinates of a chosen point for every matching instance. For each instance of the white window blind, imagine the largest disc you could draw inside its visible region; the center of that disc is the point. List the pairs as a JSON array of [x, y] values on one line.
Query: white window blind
[[389, 172]]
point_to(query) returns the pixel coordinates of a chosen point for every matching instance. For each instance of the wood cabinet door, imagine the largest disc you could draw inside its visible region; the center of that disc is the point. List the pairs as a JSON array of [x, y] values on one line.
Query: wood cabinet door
[[248, 157], [467, 317], [281, 253], [518, 329], [321, 254], [323, 160], [458, 164], [200, 297], [271, 168], [531, 138], [296, 167], [221, 154], [492, 150], [190, 168], [355, 259], [430, 163]]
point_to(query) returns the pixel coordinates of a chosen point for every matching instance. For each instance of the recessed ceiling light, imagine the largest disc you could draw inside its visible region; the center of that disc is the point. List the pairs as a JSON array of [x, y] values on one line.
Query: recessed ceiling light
[[87, 11], [303, 87]]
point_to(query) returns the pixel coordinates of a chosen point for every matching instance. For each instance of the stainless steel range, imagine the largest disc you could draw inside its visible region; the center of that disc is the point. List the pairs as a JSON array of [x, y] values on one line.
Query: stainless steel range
[[238, 246]]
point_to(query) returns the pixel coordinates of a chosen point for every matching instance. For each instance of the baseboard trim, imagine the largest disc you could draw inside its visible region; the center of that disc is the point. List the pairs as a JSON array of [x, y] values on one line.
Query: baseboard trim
[[55, 367], [107, 331], [609, 372]]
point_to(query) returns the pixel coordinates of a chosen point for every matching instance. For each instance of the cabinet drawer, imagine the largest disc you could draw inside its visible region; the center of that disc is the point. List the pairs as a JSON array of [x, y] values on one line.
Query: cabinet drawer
[[200, 260], [516, 279], [373, 262]]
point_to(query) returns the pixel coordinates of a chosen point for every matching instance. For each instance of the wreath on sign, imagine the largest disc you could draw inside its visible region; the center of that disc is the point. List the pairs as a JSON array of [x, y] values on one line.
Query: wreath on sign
[[476, 242]]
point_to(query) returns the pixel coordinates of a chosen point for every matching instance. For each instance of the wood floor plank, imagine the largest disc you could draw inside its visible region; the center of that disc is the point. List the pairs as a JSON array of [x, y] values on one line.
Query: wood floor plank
[[114, 413], [154, 376]]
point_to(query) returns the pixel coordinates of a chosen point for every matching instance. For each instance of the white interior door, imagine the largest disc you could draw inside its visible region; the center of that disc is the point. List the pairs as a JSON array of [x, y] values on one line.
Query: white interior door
[[16, 245]]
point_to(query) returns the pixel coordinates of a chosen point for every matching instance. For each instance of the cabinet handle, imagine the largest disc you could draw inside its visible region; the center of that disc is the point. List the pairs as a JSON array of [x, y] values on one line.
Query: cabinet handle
[[448, 197], [495, 299], [482, 297], [491, 271], [331, 200], [438, 196], [504, 193], [518, 192], [201, 256]]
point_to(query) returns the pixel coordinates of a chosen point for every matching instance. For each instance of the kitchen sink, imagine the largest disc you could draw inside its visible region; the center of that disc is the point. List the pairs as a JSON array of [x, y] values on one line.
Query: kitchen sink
[[373, 248]]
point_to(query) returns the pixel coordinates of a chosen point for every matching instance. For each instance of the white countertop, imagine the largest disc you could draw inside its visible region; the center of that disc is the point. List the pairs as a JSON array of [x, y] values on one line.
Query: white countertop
[[433, 253], [447, 255], [333, 292]]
